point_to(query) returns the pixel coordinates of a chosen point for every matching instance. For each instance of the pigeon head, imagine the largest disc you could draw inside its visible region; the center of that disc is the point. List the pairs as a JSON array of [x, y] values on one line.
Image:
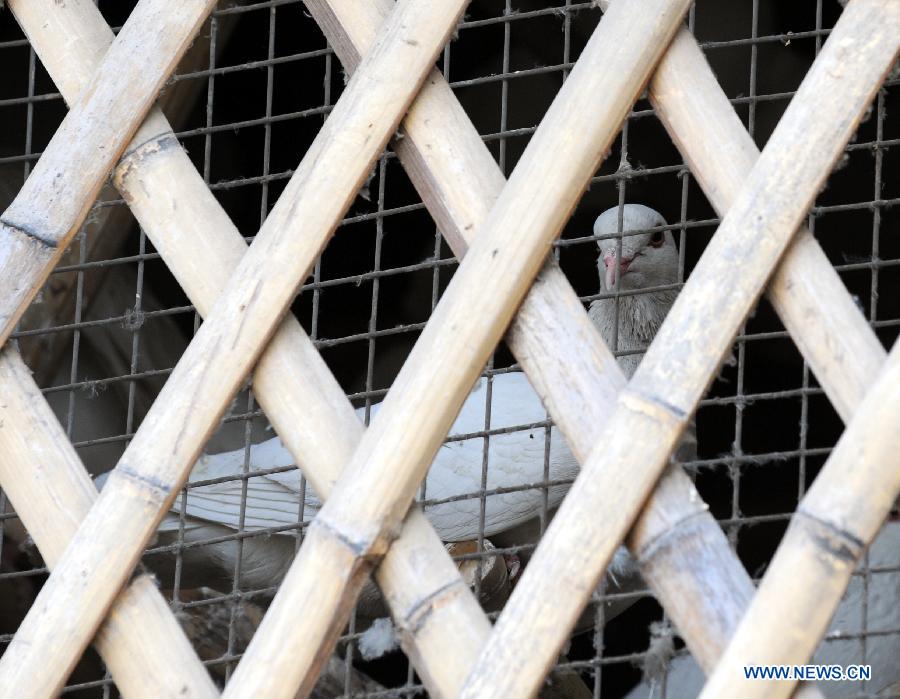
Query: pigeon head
[[648, 258]]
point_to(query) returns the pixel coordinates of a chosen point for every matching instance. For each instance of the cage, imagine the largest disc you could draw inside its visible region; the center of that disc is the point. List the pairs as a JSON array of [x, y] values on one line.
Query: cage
[[255, 90]]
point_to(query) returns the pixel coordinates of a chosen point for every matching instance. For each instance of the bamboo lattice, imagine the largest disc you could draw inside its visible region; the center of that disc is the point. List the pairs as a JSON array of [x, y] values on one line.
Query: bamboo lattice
[[92, 542]]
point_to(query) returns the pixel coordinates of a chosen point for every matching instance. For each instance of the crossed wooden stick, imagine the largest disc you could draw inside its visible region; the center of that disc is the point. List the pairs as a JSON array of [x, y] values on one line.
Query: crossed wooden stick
[[569, 366]]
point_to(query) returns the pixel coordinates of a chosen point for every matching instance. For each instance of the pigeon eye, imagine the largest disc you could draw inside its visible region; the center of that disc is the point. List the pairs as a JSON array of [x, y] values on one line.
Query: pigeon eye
[[657, 239]]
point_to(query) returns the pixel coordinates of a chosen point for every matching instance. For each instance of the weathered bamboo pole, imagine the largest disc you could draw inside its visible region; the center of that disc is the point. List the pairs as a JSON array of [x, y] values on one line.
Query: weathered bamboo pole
[[578, 389], [316, 421], [356, 525], [467, 203], [687, 351], [835, 339], [839, 516], [140, 641], [139, 491], [438, 618], [810, 299], [109, 227], [56, 197], [675, 525]]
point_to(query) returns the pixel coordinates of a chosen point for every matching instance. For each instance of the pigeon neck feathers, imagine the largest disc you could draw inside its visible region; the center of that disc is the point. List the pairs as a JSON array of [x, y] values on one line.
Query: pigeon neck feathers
[[639, 317]]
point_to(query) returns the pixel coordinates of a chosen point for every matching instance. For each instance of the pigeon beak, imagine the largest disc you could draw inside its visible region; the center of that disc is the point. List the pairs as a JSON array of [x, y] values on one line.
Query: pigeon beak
[[609, 259]]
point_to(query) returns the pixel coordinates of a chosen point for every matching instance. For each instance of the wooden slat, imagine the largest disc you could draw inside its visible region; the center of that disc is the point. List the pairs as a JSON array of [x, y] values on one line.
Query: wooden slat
[[686, 354], [839, 516], [807, 293], [309, 410], [579, 391], [92, 570], [484, 194], [355, 526], [141, 641], [676, 524], [109, 227], [56, 197], [462, 201], [809, 297], [202, 246]]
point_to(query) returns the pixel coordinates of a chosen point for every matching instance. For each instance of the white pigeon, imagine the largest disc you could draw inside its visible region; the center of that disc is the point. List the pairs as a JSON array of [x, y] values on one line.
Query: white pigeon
[[645, 259], [515, 459], [648, 259], [879, 609]]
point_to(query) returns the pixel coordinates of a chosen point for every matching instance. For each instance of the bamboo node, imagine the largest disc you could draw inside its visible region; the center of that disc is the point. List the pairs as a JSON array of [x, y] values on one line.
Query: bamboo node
[[417, 615], [364, 548], [685, 528], [651, 405], [30, 235], [136, 477], [132, 158], [834, 541]]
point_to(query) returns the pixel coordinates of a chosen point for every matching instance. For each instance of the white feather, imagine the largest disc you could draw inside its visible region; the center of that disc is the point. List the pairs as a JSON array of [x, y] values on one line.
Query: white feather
[[378, 639], [515, 459]]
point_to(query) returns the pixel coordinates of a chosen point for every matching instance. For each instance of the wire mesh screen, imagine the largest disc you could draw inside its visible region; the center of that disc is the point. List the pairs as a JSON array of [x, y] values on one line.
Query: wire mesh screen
[[247, 102]]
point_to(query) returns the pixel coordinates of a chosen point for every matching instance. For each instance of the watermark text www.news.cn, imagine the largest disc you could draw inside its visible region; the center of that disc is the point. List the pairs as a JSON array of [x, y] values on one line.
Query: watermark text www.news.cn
[[812, 673]]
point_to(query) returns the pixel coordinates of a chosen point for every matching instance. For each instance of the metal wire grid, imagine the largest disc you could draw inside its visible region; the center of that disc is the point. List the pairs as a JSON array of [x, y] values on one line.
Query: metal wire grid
[[391, 209]]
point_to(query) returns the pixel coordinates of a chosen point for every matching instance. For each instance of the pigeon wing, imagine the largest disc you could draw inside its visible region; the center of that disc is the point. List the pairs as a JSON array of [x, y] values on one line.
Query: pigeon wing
[[271, 499]]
